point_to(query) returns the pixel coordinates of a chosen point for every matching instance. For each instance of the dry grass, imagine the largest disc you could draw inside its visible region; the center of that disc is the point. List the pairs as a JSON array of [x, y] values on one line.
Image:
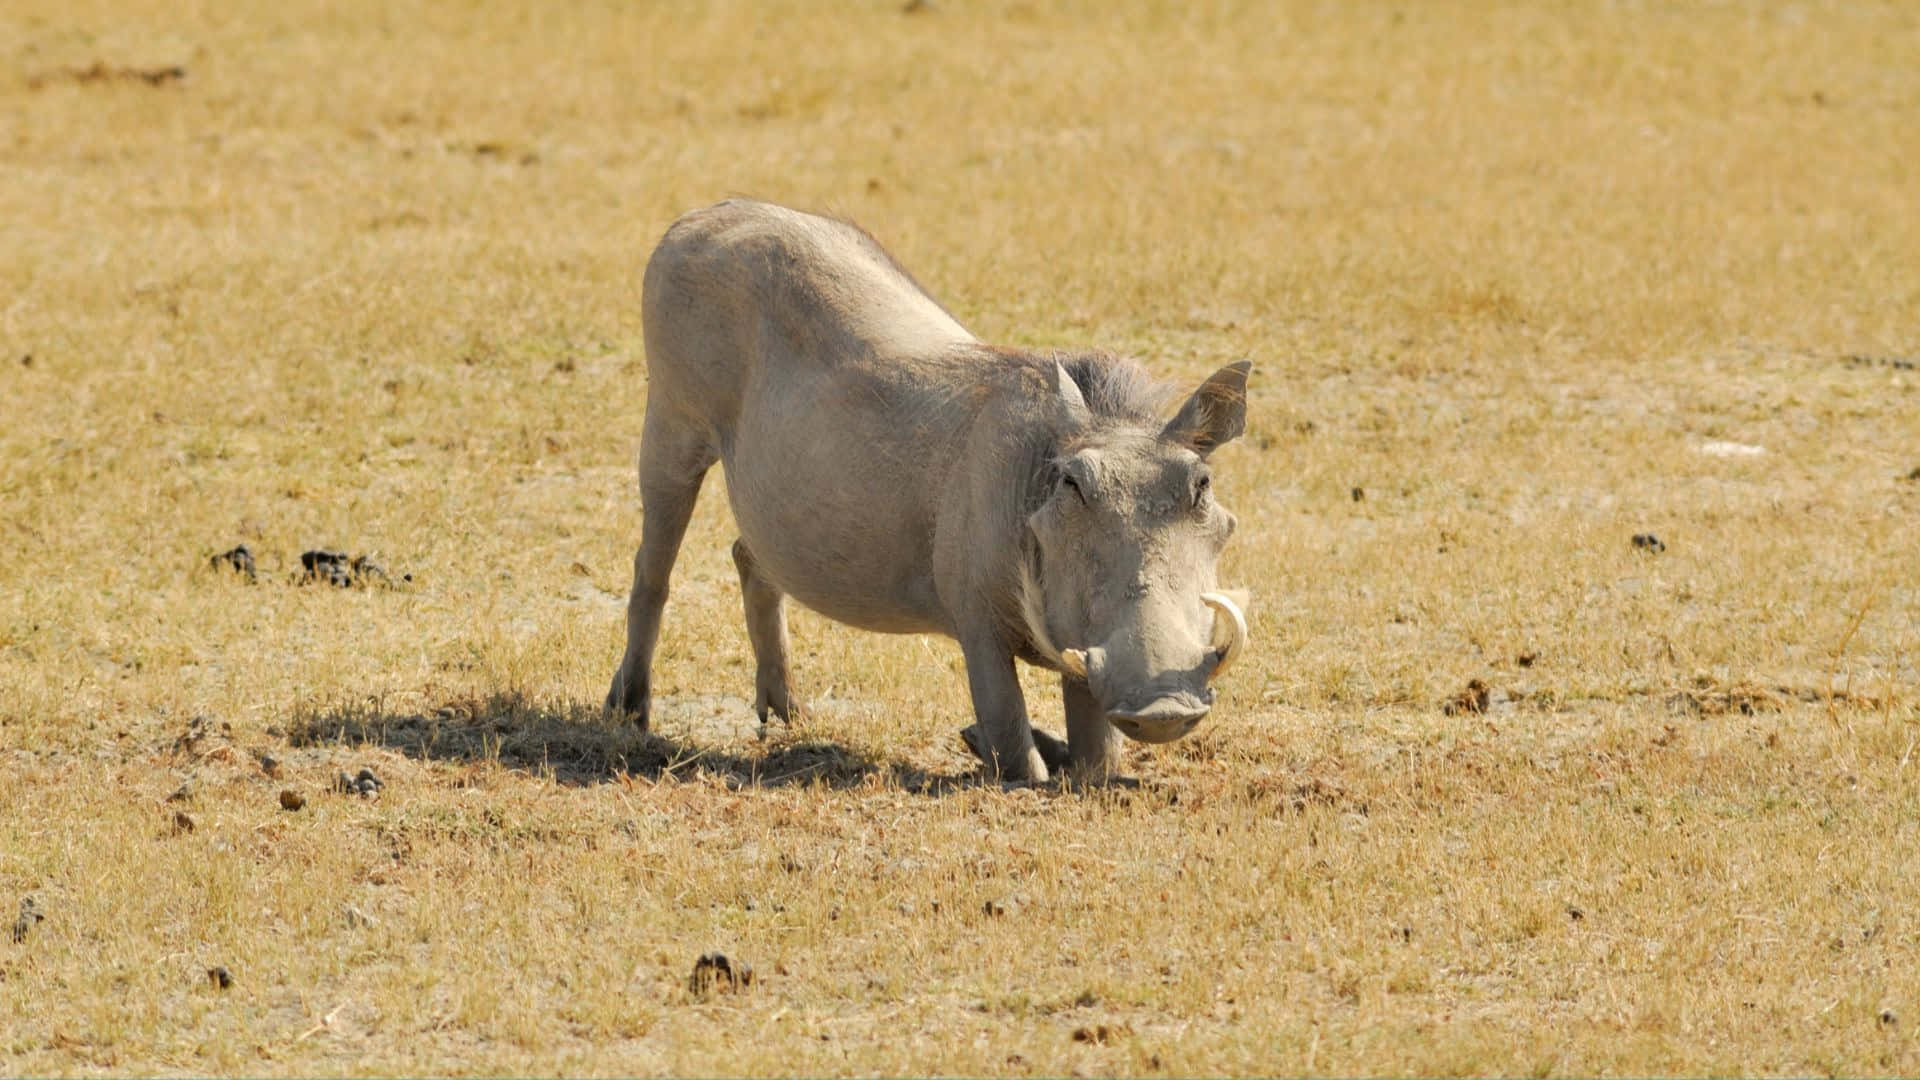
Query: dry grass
[[364, 275]]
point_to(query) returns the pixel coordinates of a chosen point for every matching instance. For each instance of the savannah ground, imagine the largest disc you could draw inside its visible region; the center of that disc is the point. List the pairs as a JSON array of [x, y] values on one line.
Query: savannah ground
[[1520, 282]]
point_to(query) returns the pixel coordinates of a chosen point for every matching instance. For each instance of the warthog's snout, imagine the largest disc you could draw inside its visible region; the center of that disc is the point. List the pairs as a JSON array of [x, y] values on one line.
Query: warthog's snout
[[1163, 719], [1171, 705]]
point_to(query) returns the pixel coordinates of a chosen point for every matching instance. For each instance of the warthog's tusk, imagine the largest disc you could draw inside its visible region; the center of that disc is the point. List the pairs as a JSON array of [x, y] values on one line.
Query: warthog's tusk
[[1075, 662], [1236, 624]]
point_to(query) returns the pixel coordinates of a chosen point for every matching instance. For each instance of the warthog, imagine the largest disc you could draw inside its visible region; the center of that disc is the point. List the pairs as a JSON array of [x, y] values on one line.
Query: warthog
[[890, 471]]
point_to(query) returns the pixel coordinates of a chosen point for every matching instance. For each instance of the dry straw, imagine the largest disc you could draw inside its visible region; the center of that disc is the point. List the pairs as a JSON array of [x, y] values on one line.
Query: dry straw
[[363, 277]]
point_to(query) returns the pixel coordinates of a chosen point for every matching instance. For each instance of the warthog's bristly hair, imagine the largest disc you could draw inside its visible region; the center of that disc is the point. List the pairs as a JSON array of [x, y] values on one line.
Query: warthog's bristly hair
[[1116, 386]]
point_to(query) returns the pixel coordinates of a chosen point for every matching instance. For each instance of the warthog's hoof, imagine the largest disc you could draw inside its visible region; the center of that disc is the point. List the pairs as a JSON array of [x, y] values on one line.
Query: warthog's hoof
[[627, 703], [1048, 758], [1053, 750]]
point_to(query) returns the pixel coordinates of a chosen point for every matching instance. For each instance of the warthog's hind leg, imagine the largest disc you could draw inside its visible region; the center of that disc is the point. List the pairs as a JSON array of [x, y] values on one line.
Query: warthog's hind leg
[[673, 462], [766, 608]]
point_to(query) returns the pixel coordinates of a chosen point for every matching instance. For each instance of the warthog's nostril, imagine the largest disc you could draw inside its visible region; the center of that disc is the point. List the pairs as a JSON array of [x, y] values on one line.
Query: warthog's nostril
[[1161, 720]]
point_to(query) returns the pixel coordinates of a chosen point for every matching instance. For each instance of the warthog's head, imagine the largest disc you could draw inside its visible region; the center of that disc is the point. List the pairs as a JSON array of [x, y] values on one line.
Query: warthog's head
[[1120, 588]]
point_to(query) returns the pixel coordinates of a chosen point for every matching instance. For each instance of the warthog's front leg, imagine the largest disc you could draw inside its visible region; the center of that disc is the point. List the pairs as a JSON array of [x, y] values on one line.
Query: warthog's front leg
[[1094, 745], [767, 629], [1001, 735]]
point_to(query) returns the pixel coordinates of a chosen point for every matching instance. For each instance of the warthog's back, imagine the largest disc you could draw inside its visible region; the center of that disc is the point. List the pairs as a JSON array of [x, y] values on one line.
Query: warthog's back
[[829, 383], [777, 286]]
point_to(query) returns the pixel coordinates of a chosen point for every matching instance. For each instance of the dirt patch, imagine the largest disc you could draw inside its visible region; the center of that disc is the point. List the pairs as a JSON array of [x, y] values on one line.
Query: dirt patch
[[101, 73]]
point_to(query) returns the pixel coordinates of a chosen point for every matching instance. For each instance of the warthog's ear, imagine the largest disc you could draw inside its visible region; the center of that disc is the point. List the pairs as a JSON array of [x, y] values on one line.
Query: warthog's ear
[[1216, 413], [1069, 395]]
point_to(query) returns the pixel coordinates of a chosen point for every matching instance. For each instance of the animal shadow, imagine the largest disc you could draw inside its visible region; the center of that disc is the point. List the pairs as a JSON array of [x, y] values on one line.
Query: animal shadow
[[571, 742]]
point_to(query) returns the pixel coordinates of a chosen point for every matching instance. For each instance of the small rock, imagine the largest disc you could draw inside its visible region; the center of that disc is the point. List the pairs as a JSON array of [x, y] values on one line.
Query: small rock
[[1575, 913], [1527, 659], [1101, 1034], [919, 7], [367, 572], [358, 918], [337, 569], [1887, 1018], [1648, 543], [291, 799], [330, 567], [30, 914], [1359, 494], [240, 559], [220, 977], [183, 793], [270, 765], [1474, 699], [713, 972], [1003, 905], [181, 822]]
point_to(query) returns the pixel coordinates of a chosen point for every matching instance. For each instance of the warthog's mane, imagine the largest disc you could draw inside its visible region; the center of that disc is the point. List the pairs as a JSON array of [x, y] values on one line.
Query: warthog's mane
[[1116, 387]]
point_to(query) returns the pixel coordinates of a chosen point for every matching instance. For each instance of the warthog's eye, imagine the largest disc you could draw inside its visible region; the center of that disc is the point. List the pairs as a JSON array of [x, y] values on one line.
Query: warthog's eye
[[1076, 473], [1068, 483]]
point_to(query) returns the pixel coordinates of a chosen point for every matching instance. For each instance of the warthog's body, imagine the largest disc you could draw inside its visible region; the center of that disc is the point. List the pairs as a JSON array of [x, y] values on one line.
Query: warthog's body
[[891, 472]]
